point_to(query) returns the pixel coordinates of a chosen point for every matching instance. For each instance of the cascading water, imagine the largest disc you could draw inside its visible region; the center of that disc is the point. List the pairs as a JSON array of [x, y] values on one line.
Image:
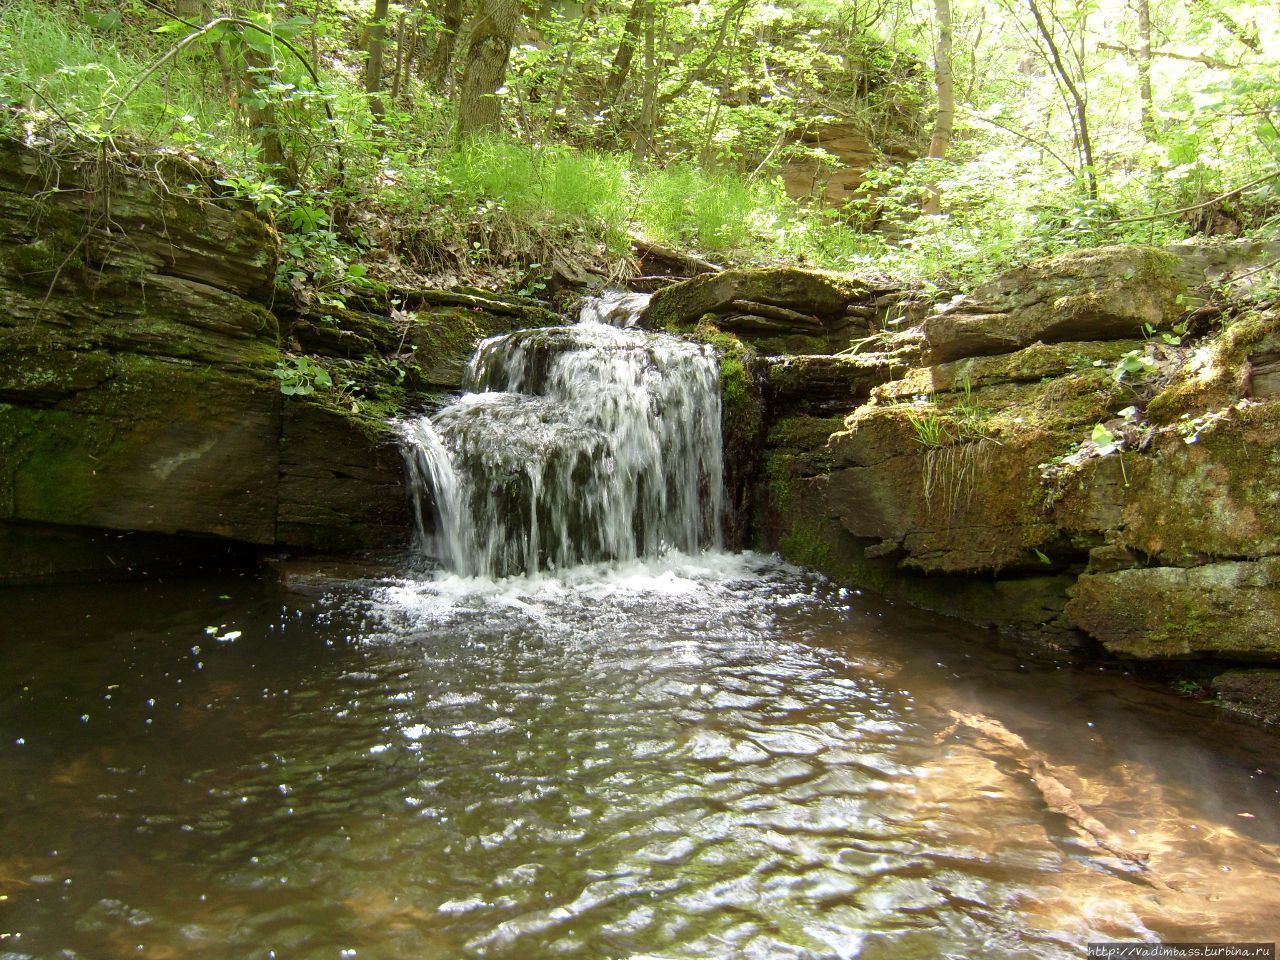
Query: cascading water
[[575, 444]]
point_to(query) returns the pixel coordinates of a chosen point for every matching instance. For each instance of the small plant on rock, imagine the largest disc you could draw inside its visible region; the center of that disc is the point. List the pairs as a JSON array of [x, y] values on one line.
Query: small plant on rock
[[300, 376]]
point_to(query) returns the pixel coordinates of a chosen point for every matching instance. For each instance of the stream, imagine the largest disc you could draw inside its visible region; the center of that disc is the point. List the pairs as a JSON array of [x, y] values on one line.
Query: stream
[[714, 756], [570, 724]]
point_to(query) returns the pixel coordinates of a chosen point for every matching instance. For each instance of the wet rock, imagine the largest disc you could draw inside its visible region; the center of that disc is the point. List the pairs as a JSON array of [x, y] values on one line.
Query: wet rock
[[823, 384], [1229, 609], [147, 444], [341, 481], [1255, 693], [1106, 293]]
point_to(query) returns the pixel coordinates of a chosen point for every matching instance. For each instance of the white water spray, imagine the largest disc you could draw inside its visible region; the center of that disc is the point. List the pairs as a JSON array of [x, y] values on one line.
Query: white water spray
[[577, 444]]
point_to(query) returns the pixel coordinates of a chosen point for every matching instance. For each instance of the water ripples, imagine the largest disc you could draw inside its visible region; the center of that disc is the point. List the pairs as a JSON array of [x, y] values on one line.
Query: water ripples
[[674, 759]]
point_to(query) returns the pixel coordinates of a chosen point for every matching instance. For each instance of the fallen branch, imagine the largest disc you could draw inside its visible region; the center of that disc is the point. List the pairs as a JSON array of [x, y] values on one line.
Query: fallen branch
[[1196, 206], [1056, 795], [1172, 55], [644, 248]]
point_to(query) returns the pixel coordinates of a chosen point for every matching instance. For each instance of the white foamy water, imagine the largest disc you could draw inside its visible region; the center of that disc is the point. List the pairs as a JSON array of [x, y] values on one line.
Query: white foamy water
[[573, 445]]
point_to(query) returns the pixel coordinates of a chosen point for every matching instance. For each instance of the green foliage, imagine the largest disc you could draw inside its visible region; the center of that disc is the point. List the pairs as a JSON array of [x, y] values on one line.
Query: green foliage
[[1135, 363], [739, 91], [300, 376]]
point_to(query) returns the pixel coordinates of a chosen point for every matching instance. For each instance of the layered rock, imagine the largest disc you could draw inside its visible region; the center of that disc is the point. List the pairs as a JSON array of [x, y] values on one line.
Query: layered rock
[[136, 346], [1110, 293], [1053, 467], [140, 407]]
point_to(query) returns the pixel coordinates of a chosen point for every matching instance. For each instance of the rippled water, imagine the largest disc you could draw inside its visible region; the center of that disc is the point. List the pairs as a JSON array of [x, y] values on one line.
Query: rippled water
[[718, 757]]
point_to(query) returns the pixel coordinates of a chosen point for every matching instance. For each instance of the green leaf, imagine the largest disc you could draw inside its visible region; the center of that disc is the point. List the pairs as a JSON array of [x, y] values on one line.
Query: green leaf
[[259, 42], [1101, 435], [111, 20]]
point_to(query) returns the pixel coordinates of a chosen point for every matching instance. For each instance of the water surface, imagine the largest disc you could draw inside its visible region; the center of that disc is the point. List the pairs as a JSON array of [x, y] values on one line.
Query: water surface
[[693, 758]]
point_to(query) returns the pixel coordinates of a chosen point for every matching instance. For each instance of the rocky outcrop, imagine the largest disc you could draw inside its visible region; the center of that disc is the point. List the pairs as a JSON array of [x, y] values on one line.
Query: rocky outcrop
[[140, 402], [1052, 466], [1110, 293], [783, 310], [136, 349]]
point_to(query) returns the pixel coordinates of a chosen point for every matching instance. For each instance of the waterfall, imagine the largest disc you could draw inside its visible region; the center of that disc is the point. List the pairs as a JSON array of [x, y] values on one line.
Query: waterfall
[[574, 444]]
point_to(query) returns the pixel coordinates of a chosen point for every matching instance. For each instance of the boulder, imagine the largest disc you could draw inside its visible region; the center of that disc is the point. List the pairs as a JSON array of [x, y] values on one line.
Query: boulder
[[1106, 293], [1229, 610], [816, 293]]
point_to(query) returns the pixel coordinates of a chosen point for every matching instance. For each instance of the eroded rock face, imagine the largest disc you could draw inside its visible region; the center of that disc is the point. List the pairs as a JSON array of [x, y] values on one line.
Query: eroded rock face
[[1229, 609], [135, 355], [137, 344], [973, 483], [1108, 293]]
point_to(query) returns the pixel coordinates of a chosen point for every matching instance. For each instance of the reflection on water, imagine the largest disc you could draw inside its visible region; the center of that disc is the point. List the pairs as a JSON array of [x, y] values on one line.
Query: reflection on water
[[700, 758]]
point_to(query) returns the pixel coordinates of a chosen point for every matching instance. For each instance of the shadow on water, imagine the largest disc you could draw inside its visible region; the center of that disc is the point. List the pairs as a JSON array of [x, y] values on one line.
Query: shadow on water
[[716, 756]]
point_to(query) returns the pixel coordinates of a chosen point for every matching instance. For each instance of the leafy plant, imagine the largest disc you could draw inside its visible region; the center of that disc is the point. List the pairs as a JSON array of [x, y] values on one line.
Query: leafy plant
[[1135, 363], [300, 376]]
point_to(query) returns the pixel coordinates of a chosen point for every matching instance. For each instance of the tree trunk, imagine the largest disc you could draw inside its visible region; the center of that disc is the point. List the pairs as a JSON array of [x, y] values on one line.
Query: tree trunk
[[642, 134], [944, 123], [626, 53], [442, 55], [261, 111], [373, 68], [1145, 98], [402, 46], [1077, 102], [488, 50]]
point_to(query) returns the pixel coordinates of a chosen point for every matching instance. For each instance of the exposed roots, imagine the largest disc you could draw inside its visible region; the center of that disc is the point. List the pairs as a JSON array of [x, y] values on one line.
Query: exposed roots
[[950, 476]]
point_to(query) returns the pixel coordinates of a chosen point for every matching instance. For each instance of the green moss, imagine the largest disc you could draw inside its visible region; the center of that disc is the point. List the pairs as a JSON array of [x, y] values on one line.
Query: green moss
[[1213, 375], [808, 545], [803, 432]]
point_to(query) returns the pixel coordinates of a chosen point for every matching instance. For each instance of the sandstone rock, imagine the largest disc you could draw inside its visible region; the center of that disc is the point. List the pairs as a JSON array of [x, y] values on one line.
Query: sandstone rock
[[154, 445], [834, 182], [1107, 293], [341, 484], [1035, 363], [1229, 609], [1255, 693], [822, 384], [136, 387], [1183, 503], [821, 294]]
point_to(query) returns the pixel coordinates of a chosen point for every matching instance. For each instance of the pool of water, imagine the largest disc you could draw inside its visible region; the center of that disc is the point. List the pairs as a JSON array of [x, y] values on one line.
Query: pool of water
[[706, 757]]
